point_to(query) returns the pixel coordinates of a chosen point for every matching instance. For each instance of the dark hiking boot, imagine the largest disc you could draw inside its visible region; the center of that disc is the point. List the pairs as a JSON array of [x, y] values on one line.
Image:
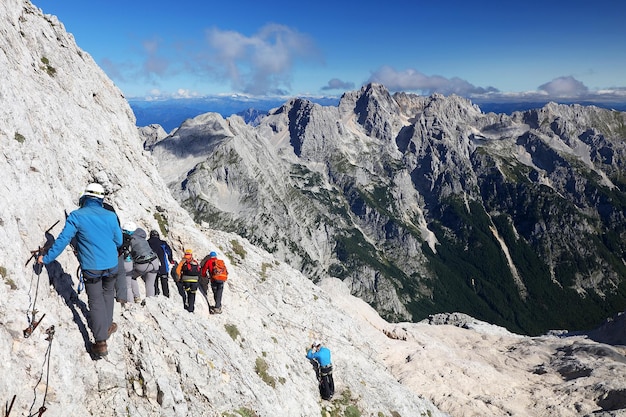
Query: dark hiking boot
[[99, 349], [112, 329], [215, 310]]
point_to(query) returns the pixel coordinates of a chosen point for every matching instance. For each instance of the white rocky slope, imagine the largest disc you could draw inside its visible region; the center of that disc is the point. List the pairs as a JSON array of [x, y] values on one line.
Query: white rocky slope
[[64, 124]]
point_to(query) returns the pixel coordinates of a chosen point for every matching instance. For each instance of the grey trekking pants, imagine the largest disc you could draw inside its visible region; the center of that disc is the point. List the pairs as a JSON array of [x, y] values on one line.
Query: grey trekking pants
[[132, 288], [121, 293], [148, 272], [101, 299]]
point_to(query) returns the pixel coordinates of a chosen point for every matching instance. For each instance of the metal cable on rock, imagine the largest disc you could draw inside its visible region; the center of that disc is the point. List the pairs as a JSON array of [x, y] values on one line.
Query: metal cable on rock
[[32, 307], [42, 409], [37, 270]]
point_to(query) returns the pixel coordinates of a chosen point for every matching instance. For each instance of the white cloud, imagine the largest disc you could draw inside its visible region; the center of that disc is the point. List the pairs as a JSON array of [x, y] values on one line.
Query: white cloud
[[412, 80], [337, 84], [185, 93], [155, 63], [564, 87], [258, 64]]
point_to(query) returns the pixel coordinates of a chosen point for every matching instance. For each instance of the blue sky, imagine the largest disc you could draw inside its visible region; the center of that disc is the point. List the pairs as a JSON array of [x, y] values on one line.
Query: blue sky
[[187, 48]]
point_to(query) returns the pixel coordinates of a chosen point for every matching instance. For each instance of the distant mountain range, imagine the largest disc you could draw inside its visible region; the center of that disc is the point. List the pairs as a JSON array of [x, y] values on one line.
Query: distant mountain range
[[423, 204], [171, 113]]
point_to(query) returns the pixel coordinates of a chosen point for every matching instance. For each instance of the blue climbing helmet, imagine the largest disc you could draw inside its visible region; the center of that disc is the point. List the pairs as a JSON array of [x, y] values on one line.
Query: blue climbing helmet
[[212, 255]]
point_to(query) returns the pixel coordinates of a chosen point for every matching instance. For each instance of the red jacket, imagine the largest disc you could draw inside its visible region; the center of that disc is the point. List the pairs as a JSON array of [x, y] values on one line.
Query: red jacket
[[208, 266]]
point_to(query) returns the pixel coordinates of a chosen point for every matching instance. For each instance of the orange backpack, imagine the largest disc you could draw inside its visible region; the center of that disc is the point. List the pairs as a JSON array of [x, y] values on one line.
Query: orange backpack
[[220, 273]]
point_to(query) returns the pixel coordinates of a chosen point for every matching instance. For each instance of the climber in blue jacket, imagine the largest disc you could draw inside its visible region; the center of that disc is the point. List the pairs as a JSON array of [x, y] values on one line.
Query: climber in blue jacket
[[320, 356], [97, 236]]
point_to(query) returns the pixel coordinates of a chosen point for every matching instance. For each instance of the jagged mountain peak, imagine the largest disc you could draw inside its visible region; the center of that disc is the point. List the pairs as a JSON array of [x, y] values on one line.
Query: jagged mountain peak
[[151, 134], [373, 108]]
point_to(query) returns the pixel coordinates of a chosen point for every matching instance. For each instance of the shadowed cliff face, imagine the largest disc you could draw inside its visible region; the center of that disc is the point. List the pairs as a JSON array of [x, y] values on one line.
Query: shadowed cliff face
[[425, 204]]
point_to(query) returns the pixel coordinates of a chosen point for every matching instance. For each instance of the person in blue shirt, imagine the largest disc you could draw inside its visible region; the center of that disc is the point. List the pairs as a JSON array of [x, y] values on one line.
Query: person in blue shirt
[[321, 358], [97, 236]]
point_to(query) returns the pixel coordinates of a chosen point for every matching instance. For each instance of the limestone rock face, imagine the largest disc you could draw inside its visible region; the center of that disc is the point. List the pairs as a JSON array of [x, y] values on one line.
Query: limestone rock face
[[64, 124], [151, 134]]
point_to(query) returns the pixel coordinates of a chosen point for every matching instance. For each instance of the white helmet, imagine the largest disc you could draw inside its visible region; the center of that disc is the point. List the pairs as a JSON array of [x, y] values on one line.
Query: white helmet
[[129, 226], [94, 190], [317, 343]]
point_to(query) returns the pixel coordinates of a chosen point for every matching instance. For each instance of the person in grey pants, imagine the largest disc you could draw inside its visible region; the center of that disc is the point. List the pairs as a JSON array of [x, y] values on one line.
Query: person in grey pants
[[145, 261], [97, 235]]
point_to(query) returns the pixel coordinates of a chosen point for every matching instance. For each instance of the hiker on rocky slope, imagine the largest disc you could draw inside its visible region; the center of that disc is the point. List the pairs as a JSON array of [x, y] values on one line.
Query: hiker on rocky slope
[[132, 287], [188, 272], [98, 235], [145, 261], [164, 253], [215, 269], [320, 356]]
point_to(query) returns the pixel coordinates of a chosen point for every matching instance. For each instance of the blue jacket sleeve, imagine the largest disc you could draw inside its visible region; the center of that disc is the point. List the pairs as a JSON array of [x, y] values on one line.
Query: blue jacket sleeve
[[310, 354], [64, 238], [118, 238]]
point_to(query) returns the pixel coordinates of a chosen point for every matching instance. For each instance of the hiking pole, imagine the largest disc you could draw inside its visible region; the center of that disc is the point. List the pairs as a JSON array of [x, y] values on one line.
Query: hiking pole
[[36, 252], [8, 410]]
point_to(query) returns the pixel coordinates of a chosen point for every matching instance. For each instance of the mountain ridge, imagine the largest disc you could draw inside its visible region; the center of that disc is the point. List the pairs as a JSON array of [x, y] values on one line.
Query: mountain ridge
[[386, 171]]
